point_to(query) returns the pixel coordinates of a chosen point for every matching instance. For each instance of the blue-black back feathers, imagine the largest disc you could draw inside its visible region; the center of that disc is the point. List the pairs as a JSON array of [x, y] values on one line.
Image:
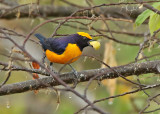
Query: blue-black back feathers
[[58, 45]]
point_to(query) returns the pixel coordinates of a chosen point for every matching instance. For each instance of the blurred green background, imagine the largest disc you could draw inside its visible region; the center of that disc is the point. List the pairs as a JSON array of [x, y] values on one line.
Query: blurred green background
[[45, 101]]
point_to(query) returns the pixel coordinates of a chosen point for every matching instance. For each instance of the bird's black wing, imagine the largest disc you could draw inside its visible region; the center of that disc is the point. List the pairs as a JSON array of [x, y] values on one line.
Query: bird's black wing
[[57, 45]]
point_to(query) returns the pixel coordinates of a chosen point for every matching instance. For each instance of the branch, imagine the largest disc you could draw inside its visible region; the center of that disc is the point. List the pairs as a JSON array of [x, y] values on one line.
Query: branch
[[105, 73], [149, 7], [64, 11], [122, 10], [9, 2]]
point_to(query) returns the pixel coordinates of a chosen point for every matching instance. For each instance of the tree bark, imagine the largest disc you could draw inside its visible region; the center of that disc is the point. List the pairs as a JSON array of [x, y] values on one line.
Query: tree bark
[[64, 11], [103, 73]]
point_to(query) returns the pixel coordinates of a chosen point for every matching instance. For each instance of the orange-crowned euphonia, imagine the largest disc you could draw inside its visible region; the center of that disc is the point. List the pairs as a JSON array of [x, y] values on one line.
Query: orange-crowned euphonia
[[67, 49]]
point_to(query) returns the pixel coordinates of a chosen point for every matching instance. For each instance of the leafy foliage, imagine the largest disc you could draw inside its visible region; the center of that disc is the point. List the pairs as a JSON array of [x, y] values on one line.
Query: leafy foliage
[[154, 20], [154, 23]]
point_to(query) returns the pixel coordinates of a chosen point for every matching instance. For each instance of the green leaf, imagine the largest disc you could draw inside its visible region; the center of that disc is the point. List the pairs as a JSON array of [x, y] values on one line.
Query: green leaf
[[154, 23], [142, 17], [156, 5]]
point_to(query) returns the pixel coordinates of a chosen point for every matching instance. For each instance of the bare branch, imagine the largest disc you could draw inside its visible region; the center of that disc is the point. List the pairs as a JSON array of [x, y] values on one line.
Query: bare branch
[[148, 6], [62, 11], [125, 70]]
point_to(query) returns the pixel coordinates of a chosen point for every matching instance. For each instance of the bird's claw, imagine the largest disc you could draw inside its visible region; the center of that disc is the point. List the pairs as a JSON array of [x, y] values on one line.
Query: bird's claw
[[75, 79]]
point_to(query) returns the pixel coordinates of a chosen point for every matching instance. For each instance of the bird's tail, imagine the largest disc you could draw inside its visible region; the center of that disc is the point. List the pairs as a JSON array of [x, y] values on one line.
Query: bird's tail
[[41, 40], [40, 37]]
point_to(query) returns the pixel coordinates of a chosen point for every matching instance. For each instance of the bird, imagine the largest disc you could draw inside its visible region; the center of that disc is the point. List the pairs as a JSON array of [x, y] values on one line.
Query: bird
[[66, 49]]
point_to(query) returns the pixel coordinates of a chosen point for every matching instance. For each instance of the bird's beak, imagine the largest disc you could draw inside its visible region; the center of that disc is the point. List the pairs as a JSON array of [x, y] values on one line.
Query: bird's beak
[[95, 44]]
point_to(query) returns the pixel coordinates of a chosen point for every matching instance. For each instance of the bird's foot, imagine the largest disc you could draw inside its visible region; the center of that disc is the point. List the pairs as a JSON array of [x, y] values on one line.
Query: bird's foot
[[99, 81], [52, 70], [76, 76], [75, 79]]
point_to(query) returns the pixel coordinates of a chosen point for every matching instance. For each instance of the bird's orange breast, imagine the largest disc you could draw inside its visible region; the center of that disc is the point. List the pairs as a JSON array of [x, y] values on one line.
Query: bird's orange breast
[[71, 54]]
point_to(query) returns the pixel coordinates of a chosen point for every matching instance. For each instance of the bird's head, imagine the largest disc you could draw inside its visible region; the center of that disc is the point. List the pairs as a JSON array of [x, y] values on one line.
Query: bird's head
[[85, 40]]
